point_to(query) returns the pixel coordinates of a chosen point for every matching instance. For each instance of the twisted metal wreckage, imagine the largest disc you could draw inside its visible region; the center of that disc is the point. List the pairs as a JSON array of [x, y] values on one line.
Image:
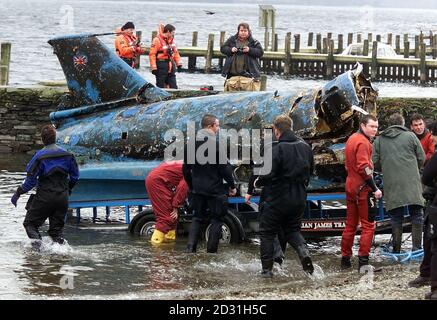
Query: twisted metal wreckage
[[115, 121]]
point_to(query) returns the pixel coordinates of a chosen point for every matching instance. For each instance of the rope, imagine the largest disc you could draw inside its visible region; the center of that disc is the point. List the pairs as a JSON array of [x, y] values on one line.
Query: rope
[[402, 257]]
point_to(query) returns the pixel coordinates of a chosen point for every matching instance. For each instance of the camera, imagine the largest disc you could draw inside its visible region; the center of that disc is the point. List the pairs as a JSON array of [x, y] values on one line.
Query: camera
[[170, 51], [240, 50]]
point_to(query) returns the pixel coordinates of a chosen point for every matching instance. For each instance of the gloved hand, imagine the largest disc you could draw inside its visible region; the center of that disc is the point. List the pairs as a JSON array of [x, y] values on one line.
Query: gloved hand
[[155, 72], [180, 68], [14, 199]]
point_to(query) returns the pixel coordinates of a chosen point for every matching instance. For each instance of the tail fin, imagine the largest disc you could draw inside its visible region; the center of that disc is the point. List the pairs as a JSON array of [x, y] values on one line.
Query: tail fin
[[95, 74]]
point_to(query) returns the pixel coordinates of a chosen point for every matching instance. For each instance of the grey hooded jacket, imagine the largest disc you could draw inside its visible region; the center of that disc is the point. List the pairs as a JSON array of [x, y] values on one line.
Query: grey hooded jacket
[[399, 154]]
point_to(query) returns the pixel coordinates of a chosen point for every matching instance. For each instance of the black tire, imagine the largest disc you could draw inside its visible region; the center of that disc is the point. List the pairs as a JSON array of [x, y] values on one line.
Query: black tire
[[145, 226], [230, 233]]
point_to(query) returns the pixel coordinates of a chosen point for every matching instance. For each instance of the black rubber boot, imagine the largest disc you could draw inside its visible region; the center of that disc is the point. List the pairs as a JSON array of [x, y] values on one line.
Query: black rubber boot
[[396, 231], [364, 266], [267, 266], [362, 262], [345, 263], [193, 236], [305, 259], [215, 233], [32, 232], [416, 235], [420, 282]]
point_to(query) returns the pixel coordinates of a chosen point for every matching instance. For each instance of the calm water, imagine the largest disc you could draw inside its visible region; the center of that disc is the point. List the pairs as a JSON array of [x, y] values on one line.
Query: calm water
[[29, 24]]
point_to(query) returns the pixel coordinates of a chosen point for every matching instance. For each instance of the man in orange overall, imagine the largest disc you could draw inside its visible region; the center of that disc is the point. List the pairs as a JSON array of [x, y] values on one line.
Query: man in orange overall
[[165, 58], [127, 45], [359, 185], [167, 191]]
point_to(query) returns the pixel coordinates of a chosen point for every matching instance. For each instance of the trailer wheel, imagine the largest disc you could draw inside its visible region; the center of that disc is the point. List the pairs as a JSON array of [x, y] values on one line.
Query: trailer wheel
[[230, 232], [145, 226]]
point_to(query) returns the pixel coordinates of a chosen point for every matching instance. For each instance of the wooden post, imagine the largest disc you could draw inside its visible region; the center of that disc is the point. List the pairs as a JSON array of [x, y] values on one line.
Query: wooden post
[[325, 45], [137, 57], [370, 37], [287, 61], [192, 60], [407, 49], [276, 64], [390, 39], [359, 37], [378, 38], [374, 72], [366, 48], [434, 47], [209, 53], [329, 36], [263, 82], [5, 60], [340, 43], [330, 60], [296, 42], [319, 43], [222, 41], [431, 39], [266, 39], [416, 47], [350, 38], [423, 68], [310, 39], [398, 44], [405, 37]]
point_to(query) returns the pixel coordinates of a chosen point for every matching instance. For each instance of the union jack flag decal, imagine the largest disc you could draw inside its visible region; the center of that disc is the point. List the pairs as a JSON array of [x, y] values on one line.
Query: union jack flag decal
[[80, 61]]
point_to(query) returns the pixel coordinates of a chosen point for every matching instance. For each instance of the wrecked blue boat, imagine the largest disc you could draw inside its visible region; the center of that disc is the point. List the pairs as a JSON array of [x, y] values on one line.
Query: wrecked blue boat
[[114, 121]]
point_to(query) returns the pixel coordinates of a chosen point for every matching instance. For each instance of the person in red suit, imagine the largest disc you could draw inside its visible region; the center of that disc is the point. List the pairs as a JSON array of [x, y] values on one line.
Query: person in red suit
[[417, 125], [167, 191], [359, 186]]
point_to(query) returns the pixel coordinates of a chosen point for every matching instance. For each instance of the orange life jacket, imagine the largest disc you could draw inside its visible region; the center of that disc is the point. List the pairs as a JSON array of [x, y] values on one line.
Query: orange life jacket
[[160, 50], [125, 45]]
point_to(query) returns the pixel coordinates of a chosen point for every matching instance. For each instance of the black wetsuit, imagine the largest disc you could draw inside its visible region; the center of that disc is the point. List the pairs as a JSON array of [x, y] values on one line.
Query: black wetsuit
[[285, 198], [428, 268], [207, 192]]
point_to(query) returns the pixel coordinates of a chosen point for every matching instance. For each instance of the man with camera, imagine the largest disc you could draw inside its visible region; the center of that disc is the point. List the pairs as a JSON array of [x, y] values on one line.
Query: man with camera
[[242, 67], [165, 58]]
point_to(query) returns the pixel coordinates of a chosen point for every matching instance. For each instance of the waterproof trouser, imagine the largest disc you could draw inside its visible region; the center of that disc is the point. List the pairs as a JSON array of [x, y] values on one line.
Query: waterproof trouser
[[397, 218], [358, 212], [161, 198], [273, 221], [165, 79], [428, 267], [53, 206], [218, 207]]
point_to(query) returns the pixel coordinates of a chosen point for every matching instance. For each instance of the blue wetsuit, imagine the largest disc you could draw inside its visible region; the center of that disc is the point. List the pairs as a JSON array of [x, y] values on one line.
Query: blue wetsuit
[[54, 172]]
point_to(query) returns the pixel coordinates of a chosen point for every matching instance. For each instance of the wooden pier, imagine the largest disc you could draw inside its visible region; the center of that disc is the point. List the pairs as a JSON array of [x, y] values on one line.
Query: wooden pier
[[322, 58]]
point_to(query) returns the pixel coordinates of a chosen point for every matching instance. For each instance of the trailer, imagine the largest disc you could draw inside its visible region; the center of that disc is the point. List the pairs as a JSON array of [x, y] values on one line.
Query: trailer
[[324, 216]]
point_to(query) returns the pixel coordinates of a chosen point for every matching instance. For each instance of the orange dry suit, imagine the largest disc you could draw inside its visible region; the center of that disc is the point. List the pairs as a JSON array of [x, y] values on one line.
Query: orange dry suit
[[127, 47], [359, 186], [164, 58]]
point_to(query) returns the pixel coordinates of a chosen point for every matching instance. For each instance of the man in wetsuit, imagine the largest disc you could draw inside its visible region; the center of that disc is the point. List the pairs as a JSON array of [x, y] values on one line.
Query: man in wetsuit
[[54, 172]]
